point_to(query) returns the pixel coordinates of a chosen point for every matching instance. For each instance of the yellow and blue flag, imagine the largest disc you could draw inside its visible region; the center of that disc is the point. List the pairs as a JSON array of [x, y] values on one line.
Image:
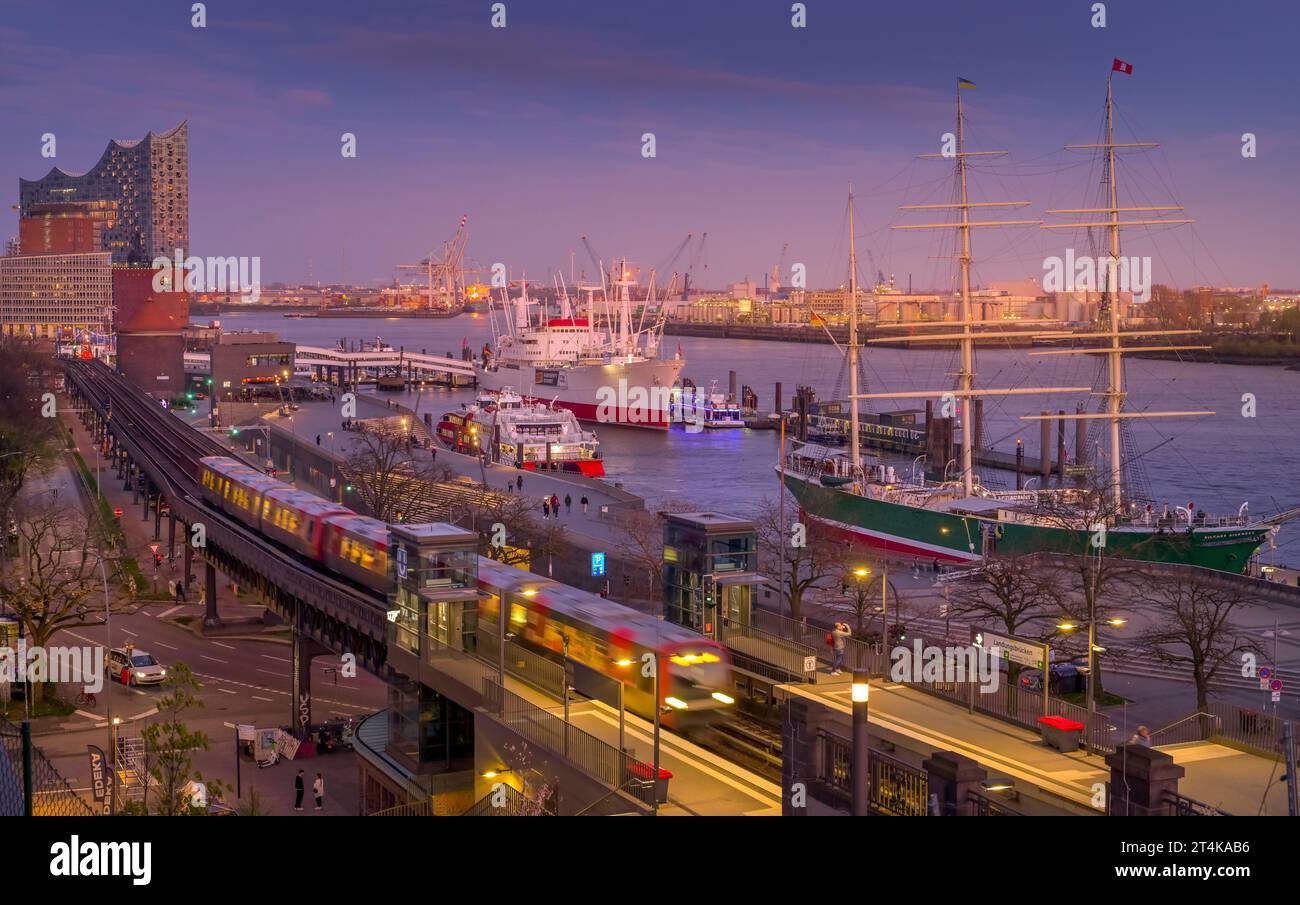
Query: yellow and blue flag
[[964, 83]]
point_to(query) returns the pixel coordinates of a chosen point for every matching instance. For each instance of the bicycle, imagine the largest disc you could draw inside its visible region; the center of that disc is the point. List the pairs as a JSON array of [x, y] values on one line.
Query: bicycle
[[87, 699]]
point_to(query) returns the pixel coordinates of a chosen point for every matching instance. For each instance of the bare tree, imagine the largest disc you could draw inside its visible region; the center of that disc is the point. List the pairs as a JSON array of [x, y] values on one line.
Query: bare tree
[[1193, 626], [1088, 569], [28, 435], [384, 470], [638, 537], [805, 557], [509, 530], [57, 569], [1015, 593]]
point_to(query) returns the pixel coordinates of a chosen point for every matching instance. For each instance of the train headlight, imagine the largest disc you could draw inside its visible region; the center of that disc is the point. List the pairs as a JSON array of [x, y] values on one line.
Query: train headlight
[[723, 698], [675, 703]]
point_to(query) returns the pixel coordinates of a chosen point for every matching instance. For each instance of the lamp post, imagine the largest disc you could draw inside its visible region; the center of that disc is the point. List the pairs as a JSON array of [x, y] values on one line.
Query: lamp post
[[1093, 650], [117, 773], [861, 690]]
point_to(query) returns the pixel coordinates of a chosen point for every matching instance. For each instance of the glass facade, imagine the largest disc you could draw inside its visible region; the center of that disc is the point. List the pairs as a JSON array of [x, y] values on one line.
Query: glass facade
[[428, 729], [696, 556]]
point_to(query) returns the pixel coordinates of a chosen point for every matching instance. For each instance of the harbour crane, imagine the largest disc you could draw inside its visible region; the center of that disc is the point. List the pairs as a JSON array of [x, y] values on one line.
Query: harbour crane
[[447, 268]]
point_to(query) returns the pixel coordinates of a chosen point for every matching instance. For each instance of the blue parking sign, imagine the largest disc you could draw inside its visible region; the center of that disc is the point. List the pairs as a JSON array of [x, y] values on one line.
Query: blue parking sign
[[597, 564]]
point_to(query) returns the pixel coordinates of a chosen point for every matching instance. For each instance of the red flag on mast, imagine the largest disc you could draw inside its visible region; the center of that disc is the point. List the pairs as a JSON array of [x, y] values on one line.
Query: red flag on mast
[[1120, 66]]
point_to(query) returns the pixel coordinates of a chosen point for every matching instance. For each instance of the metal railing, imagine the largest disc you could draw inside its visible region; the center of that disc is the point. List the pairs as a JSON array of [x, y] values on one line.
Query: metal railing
[[787, 655], [983, 806], [603, 762], [1196, 727], [896, 789], [1252, 728]]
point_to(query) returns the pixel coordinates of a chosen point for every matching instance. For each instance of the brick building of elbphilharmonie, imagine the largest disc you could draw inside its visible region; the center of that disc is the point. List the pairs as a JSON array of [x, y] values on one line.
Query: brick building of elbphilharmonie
[[136, 200]]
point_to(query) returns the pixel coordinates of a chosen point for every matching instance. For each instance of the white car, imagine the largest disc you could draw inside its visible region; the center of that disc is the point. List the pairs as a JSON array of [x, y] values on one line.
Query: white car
[[142, 669]]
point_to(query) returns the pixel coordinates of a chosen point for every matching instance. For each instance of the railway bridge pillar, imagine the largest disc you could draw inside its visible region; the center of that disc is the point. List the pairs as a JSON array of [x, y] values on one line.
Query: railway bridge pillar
[[210, 617], [305, 649]]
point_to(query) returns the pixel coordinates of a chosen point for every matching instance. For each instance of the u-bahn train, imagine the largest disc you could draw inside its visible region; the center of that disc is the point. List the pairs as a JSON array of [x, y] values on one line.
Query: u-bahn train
[[603, 636], [615, 641], [333, 535]]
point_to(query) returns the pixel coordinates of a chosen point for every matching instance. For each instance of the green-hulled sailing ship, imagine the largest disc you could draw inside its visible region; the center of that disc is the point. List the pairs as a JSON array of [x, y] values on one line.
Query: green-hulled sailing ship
[[961, 519]]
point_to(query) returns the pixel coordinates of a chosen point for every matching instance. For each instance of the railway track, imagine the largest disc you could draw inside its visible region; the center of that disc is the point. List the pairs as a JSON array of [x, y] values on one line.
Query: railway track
[[750, 743], [171, 449]]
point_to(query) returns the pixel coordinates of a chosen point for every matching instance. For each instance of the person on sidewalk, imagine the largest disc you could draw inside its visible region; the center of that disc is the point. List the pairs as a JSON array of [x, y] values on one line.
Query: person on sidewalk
[[180, 590], [1141, 737], [546, 508], [519, 483], [555, 506], [839, 641], [568, 504], [318, 789], [298, 789], [584, 502]]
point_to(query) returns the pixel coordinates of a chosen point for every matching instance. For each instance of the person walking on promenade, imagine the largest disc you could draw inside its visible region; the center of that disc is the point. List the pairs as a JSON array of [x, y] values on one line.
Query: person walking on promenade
[[584, 502], [318, 789], [298, 790], [546, 508], [519, 483], [568, 504], [555, 506]]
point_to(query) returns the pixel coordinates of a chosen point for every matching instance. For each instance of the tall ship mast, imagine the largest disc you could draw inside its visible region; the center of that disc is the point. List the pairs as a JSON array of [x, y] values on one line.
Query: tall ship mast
[[961, 519]]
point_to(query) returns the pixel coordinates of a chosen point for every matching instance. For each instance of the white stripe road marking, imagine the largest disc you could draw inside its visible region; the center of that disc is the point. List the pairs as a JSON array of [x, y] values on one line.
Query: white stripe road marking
[[129, 632], [165, 613], [227, 691], [214, 659], [139, 716], [226, 646], [160, 644], [89, 716], [281, 659], [278, 675], [257, 698]]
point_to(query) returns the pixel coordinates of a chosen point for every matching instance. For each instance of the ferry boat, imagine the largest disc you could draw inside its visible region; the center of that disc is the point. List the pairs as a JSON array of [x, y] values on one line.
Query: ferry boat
[[711, 410], [528, 435], [960, 519], [614, 374]]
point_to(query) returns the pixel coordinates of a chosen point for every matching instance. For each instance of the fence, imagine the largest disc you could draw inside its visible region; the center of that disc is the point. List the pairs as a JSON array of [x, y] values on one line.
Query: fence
[[598, 759], [1252, 728], [29, 784], [540, 672], [896, 789]]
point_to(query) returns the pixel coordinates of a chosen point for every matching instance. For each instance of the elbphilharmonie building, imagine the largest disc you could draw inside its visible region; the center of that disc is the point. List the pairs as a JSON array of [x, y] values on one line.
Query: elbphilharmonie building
[[146, 186]]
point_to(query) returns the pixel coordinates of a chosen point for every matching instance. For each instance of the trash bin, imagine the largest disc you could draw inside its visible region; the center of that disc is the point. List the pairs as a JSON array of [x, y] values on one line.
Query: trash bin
[[1061, 733], [644, 771]]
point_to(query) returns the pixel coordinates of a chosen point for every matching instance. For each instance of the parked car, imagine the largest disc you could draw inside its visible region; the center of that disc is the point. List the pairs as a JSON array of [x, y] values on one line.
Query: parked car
[[140, 669], [1065, 678]]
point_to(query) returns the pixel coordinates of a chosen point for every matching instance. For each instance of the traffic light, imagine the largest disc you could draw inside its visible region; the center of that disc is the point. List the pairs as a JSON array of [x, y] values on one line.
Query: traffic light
[[209, 381], [189, 396]]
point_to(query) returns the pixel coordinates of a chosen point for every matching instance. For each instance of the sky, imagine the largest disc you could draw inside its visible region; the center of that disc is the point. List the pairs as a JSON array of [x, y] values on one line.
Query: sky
[[535, 130]]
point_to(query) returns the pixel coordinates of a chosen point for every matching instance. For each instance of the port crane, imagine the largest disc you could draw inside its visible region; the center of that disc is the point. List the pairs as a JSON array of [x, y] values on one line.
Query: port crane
[[445, 269]]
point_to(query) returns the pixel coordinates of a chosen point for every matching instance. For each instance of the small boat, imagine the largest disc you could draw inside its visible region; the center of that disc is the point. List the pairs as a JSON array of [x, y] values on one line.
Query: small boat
[[710, 411]]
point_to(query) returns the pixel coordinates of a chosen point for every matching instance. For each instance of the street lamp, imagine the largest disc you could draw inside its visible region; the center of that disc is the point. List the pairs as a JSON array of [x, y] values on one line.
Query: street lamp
[[1093, 650], [860, 692]]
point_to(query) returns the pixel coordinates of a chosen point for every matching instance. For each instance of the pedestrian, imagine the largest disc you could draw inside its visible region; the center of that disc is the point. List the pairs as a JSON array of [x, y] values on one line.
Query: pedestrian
[[180, 590], [318, 789], [568, 504], [519, 483], [584, 502], [318, 439], [298, 790], [1141, 737], [555, 506], [839, 641], [546, 508]]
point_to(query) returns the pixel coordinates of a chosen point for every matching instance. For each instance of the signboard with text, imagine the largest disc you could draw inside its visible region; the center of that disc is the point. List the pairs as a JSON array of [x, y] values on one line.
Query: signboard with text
[[1016, 650]]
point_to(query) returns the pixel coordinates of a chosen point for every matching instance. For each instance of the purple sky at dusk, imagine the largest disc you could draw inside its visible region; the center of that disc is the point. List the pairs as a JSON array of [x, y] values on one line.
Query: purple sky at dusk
[[534, 130]]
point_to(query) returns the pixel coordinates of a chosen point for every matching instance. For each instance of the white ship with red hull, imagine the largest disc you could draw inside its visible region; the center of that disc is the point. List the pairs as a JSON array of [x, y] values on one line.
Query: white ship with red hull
[[608, 374]]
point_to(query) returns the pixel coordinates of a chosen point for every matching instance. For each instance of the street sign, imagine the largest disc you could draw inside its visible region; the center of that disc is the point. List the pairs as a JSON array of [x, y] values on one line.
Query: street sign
[[153, 548], [1277, 696], [1275, 686], [1016, 650], [809, 664], [1265, 672], [597, 564]]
